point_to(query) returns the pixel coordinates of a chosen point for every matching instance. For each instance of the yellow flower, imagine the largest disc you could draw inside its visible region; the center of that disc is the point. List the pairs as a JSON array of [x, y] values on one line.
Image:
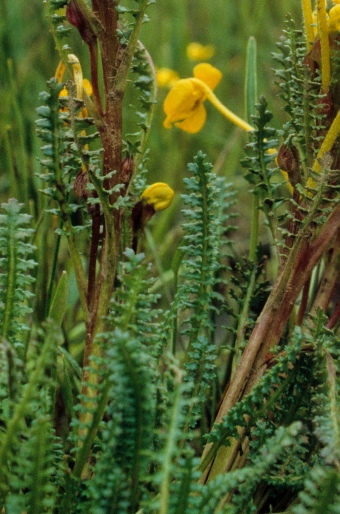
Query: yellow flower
[[159, 195], [334, 19], [166, 77], [198, 52], [183, 105], [86, 86]]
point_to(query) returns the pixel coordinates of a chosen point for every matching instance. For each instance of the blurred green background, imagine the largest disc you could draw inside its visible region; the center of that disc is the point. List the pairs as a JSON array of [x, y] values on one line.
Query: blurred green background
[[28, 59]]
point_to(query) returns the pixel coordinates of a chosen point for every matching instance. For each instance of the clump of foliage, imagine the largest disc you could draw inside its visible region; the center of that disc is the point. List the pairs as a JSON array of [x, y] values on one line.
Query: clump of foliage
[[223, 398]]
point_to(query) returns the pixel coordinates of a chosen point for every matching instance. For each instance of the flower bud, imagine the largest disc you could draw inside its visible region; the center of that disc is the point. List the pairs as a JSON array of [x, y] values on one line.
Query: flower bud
[[289, 160], [127, 169], [159, 195], [77, 18], [325, 108], [80, 185]]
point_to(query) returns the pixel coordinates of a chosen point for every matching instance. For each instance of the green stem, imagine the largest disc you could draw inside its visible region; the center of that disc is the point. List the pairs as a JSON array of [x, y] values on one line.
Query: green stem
[[254, 227], [21, 132], [13, 179], [243, 319], [153, 100], [61, 198], [11, 282], [204, 266], [158, 262], [125, 65], [53, 272], [171, 442], [250, 99], [85, 449]]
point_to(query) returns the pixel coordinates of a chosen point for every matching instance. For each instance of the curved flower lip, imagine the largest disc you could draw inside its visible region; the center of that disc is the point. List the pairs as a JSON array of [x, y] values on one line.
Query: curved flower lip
[[182, 102], [334, 18], [183, 105], [159, 195]]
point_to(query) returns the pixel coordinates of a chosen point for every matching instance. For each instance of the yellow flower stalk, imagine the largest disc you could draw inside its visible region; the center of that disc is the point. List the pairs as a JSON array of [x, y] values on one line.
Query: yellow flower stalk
[[308, 22], [324, 42], [198, 52], [326, 146], [59, 72], [159, 195]]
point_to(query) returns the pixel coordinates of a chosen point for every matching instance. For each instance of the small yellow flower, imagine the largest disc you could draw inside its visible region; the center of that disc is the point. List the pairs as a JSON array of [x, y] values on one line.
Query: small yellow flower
[[159, 195], [166, 77], [86, 85], [183, 105], [198, 52], [334, 19]]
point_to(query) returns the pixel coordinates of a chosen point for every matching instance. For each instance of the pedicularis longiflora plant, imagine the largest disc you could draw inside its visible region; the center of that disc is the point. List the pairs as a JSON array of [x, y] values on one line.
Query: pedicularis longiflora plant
[[224, 396]]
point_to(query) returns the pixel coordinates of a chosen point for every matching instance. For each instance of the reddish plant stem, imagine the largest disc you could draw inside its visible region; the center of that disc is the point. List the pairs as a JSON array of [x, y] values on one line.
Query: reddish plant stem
[[271, 323], [280, 307], [93, 256], [330, 278], [304, 302], [334, 318], [110, 130], [107, 14]]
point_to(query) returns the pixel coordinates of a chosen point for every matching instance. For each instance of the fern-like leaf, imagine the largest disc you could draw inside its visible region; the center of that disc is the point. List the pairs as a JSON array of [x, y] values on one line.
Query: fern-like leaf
[[16, 266]]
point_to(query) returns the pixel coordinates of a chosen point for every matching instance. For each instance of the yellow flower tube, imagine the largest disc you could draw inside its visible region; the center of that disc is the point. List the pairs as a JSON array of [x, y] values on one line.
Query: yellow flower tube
[[308, 22], [59, 72], [221, 107], [77, 74], [324, 42], [328, 142]]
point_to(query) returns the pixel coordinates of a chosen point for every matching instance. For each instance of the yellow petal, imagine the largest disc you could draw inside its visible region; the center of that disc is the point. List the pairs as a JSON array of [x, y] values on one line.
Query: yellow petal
[[87, 86], [166, 77], [198, 52], [159, 195], [208, 74], [334, 19], [63, 92], [195, 121], [181, 101], [59, 72]]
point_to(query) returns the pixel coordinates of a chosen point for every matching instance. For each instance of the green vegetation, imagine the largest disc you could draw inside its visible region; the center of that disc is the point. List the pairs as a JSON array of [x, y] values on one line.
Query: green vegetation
[[169, 332]]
